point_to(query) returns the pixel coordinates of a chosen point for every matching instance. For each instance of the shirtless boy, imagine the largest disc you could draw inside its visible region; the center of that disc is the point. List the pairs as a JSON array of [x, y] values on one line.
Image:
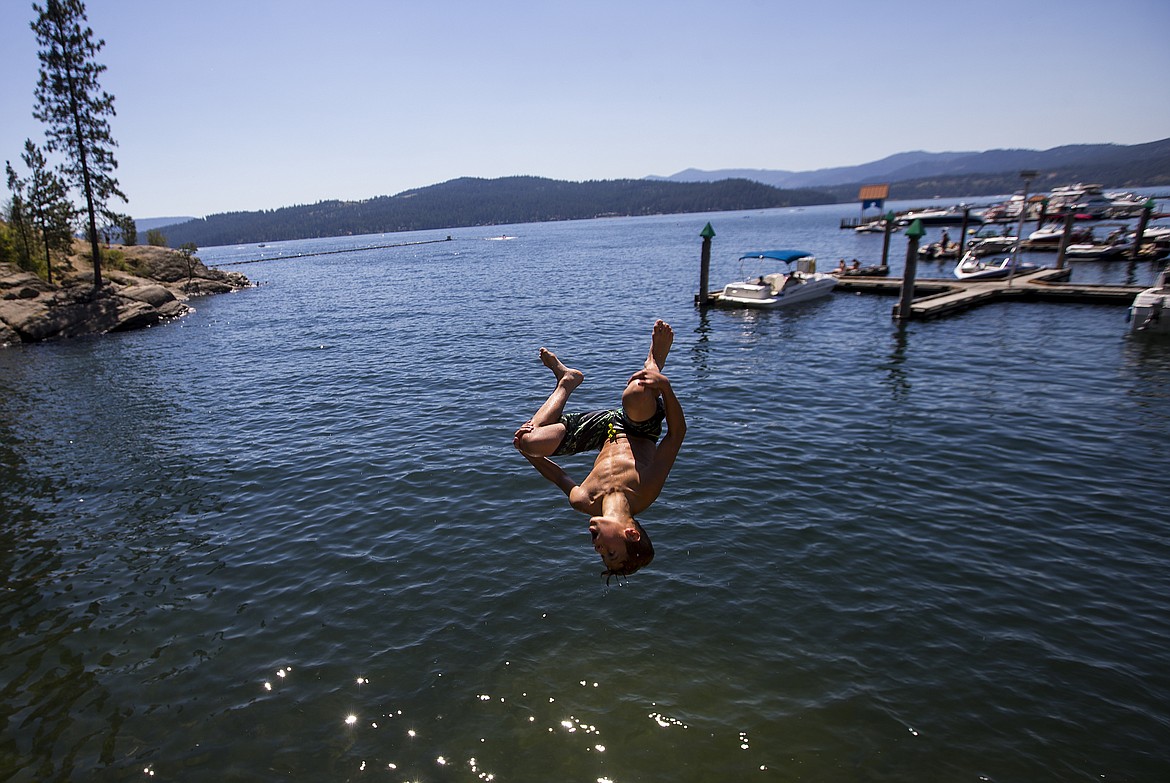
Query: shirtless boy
[[632, 465]]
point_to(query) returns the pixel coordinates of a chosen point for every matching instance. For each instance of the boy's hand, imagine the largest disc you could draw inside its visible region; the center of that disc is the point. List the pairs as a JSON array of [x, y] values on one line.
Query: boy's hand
[[650, 379], [525, 428]]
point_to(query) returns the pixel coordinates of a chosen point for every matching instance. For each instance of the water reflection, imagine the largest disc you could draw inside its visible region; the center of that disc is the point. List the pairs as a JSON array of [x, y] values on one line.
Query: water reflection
[[701, 350], [896, 377]]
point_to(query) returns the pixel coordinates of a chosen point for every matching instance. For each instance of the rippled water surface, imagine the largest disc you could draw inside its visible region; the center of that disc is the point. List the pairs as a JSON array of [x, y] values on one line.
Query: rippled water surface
[[287, 538]]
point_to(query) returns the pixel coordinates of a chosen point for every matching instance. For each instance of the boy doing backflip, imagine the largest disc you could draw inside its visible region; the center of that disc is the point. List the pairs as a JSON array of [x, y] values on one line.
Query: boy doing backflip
[[631, 465]]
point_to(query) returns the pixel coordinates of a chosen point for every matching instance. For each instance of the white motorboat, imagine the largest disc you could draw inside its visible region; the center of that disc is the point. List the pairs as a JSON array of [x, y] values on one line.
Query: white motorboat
[[1124, 204], [1098, 250], [1080, 198], [1115, 244], [991, 245], [1009, 211], [1153, 235], [973, 267], [1150, 311], [1052, 233], [940, 216], [874, 227], [761, 288], [1050, 236]]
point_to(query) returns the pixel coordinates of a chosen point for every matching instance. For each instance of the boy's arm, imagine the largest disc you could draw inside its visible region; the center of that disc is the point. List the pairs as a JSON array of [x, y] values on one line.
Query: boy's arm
[[553, 472], [676, 424], [676, 430]]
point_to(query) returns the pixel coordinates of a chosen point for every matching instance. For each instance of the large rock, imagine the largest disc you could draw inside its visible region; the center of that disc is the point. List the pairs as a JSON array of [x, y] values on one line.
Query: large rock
[[18, 284], [75, 311], [151, 293], [32, 310]]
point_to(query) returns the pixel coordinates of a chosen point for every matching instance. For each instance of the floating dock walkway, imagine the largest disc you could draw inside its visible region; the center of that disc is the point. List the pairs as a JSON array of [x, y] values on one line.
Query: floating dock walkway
[[940, 297]]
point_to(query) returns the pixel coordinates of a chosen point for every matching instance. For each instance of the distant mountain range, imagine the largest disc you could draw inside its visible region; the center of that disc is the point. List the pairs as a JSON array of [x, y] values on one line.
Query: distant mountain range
[[477, 202], [1132, 165]]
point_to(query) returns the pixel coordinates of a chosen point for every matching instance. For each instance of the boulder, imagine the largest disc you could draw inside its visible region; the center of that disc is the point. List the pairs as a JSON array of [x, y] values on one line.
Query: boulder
[[72, 313], [151, 293], [18, 284]]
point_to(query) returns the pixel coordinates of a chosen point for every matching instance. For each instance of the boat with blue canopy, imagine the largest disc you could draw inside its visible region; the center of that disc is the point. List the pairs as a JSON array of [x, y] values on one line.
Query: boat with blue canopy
[[759, 286]]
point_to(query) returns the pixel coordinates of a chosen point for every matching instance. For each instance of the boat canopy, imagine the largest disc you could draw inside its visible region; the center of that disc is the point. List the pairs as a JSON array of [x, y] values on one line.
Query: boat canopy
[[787, 256]]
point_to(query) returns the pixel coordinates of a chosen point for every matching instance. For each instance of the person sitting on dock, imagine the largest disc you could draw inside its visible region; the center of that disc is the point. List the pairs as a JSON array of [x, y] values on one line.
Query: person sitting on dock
[[631, 465]]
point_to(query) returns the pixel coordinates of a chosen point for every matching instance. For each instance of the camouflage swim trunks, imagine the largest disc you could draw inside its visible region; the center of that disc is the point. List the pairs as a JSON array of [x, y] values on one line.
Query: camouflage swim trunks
[[587, 431]]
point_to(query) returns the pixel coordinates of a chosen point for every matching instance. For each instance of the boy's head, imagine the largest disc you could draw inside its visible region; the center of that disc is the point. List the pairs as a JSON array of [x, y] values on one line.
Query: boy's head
[[623, 545]]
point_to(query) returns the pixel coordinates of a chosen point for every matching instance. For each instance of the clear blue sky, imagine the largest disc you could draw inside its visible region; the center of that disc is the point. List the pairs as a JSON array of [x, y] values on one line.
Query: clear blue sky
[[226, 105]]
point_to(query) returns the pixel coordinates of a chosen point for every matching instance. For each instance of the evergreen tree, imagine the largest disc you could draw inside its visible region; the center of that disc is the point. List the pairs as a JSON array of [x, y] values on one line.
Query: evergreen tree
[[127, 228], [18, 219], [47, 205], [75, 109]]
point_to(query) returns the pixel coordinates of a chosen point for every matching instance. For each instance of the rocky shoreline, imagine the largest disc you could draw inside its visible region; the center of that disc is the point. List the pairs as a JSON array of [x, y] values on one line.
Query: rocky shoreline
[[142, 287]]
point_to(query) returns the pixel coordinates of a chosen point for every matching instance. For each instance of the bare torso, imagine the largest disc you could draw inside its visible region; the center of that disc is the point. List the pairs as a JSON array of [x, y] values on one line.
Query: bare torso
[[622, 466]]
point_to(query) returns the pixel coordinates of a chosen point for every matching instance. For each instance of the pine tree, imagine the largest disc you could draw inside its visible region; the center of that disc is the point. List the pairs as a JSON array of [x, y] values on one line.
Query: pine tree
[[47, 204], [19, 220], [75, 109]]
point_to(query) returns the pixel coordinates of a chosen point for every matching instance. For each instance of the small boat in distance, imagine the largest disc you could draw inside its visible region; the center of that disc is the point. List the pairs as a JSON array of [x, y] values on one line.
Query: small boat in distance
[[947, 216], [877, 226], [855, 269], [761, 288]]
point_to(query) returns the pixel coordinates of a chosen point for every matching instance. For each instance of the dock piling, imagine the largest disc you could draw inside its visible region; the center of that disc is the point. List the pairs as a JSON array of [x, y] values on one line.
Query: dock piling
[[914, 233], [1066, 237], [705, 265], [963, 230], [890, 217], [1147, 210]]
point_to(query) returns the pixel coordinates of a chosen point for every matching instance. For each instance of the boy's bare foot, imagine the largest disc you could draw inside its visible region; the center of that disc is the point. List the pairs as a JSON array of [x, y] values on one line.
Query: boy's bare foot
[[565, 376], [661, 338]]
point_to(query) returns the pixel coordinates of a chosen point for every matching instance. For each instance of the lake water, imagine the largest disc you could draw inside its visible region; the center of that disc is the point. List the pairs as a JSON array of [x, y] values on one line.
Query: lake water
[[287, 537]]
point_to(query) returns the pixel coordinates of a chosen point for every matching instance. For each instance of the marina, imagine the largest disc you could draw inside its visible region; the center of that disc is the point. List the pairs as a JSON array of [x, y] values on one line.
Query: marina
[[1011, 277]]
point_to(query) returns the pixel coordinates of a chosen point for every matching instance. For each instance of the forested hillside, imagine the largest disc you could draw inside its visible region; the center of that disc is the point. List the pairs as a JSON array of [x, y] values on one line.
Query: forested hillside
[[482, 202]]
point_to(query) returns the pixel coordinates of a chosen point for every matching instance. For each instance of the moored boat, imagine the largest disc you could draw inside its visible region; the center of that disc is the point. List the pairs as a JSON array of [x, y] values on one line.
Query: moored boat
[[1116, 244], [973, 267], [1098, 250], [990, 246], [1050, 236], [760, 288], [874, 227], [1149, 311], [1083, 200], [855, 269], [940, 216]]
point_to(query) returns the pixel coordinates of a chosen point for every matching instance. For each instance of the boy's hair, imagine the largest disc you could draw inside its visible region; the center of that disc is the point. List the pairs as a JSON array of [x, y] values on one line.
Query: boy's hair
[[638, 553]]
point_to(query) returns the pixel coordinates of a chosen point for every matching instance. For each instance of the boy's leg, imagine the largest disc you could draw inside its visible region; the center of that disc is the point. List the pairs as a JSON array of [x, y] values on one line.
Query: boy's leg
[[639, 403], [541, 435]]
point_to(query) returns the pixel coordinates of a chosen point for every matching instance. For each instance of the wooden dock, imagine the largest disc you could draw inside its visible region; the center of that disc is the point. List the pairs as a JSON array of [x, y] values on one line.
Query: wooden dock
[[936, 297]]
